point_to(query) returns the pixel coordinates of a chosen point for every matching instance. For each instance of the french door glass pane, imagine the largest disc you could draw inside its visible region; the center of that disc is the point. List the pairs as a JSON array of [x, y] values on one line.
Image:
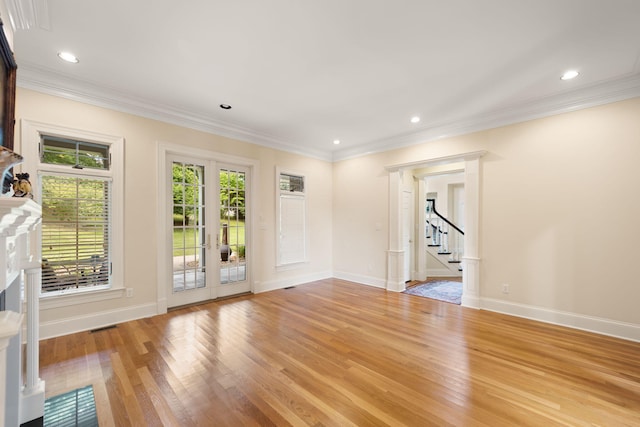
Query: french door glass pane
[[188, 227], [232, 226]]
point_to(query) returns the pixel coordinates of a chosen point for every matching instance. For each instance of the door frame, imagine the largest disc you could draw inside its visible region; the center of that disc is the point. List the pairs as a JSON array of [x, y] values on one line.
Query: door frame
[[164, 246], [471, 258]]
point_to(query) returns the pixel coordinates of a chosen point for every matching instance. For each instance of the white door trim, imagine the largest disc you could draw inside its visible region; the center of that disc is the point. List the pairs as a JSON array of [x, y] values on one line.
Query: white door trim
[[164, 198], [471, 259]]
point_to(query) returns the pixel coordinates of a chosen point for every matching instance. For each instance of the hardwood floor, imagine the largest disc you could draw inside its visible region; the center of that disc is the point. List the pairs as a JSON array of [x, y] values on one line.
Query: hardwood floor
[[334, 353]]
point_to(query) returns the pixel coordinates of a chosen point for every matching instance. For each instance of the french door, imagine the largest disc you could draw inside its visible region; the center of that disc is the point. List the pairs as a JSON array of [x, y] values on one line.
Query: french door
[[233, 194], [208, 230]]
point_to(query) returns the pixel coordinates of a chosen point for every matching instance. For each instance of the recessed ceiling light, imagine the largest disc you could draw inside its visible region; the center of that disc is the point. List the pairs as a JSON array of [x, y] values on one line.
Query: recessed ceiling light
[[415, 119], [568, 75], [68, 56], [336, 142], [225, 106]]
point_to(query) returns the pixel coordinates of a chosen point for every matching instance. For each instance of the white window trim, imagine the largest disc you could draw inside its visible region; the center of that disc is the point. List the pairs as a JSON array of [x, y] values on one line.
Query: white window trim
[[30, 139], [284, 266]]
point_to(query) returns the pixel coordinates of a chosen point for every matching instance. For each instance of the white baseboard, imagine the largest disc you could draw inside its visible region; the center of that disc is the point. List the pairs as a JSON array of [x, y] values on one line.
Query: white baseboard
[[363, 280], [470, 301], [628, 331], [443, 272], [88, 322], [272, 285], [419, 275]]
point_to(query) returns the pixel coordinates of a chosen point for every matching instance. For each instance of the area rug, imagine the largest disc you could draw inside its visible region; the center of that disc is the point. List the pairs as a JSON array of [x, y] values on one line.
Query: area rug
[[442, 290], [73, 409]]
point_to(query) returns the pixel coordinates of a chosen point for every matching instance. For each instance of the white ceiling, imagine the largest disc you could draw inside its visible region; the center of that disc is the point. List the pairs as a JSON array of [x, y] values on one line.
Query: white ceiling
[[301, 73]]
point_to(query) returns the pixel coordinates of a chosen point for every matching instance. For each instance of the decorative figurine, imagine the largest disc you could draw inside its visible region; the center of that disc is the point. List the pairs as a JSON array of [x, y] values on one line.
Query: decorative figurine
[[22, 186]]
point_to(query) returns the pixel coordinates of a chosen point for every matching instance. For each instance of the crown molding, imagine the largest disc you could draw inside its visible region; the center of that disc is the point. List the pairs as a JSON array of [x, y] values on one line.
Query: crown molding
[[445, 160], [589, 96], [56, 84]]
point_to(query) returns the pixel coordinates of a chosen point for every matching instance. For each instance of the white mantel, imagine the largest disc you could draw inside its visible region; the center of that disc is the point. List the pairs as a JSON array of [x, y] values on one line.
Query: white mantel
[[21, 399]]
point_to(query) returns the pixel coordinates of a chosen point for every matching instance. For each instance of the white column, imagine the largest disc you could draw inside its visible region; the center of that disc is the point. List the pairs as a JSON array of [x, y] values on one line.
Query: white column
[[33, 394], [33, 322], [395, 254], [471, 259]]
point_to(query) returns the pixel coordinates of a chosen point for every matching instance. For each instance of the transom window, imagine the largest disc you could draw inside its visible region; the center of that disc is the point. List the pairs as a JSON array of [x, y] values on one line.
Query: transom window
[[79, 154], [291, 183]]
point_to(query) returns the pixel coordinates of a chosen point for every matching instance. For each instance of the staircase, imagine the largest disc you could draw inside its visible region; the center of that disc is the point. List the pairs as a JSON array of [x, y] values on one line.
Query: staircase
[[445, 241]]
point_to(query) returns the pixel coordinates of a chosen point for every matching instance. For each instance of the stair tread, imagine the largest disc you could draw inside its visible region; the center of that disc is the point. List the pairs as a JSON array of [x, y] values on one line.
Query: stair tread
[[454, 262]]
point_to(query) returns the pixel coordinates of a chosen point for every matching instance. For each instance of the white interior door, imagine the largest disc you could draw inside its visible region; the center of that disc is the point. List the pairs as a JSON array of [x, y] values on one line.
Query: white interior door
[[407, 232]]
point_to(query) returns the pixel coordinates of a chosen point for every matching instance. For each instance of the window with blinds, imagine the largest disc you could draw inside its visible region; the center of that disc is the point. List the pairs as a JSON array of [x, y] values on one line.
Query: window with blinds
[[76, 232], [77, 177]]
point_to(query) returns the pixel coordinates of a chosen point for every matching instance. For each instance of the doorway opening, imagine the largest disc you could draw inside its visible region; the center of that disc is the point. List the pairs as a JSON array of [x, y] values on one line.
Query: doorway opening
[[462, 199], [438, 257]]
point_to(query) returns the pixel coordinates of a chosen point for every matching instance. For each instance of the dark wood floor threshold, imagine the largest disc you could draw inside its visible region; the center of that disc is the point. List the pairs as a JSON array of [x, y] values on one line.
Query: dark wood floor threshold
[[195, 304]]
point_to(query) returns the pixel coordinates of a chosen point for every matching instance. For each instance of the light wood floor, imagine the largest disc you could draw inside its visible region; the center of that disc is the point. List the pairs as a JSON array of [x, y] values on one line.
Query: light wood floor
[[333, 353]]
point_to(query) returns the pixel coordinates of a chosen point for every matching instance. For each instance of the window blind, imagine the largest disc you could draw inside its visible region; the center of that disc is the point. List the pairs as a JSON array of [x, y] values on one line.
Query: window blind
[[76, 232]]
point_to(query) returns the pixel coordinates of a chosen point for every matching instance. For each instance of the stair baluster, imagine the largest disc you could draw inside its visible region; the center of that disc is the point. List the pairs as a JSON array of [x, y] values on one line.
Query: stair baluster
[[444, 235]]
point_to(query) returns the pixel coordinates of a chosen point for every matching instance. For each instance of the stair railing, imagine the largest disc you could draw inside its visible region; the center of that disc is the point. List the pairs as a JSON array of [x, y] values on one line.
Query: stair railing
[[438, 230]]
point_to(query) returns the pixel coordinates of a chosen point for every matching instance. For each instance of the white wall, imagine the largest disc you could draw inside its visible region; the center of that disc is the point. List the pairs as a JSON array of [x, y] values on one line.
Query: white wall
[[361, 221], [141, 219], [545, 185], [440, 184]]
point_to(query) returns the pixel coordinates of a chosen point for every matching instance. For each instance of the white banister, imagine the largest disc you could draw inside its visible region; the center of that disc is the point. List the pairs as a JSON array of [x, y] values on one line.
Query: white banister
[[430, 226]]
